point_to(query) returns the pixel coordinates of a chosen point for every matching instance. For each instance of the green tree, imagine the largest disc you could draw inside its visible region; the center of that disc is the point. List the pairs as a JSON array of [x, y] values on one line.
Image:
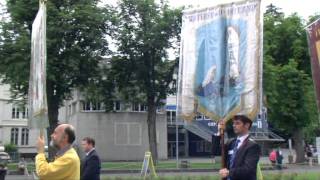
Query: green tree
[[75, 44], [140, 70], [287, 77], [10, 148]]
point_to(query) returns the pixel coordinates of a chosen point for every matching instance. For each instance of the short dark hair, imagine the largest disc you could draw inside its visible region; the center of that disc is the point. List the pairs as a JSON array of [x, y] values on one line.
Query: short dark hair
[[243, 119], [71, 134], [89, 140]]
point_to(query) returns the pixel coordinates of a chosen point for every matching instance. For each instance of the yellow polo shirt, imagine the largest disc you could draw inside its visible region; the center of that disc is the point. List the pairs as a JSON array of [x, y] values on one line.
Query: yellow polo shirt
[[65, 167]]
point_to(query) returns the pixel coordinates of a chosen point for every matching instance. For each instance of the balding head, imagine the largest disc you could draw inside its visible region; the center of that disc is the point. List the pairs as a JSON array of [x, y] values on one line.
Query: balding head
[[63, 135]]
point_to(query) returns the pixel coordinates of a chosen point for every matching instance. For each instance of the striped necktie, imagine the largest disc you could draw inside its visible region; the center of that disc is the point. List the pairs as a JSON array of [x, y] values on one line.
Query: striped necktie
[[233, 155]]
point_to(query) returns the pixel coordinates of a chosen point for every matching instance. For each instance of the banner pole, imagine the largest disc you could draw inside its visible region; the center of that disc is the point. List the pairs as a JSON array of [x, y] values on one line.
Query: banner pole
[[223, 155]]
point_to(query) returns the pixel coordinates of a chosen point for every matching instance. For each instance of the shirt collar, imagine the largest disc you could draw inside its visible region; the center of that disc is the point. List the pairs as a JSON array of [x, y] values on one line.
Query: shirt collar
[[242, 138], [90, 151], [63, 150]]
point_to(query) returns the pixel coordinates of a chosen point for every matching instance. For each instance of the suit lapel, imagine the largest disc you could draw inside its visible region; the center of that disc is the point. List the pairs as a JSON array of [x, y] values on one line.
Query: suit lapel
[[241, 150], [87, 158]]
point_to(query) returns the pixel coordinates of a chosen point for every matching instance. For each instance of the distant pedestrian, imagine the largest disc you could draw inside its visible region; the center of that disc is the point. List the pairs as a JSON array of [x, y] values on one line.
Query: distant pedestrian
[[92, 164], [279, 159], [273, 157], [309, 154]]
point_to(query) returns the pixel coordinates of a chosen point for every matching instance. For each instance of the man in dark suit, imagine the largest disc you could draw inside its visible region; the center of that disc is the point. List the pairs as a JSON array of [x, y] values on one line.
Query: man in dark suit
[[242, 153], [92, 165]]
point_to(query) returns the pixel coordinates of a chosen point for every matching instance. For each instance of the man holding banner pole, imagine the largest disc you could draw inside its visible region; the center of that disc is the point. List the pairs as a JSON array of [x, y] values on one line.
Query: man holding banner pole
[[242, 153], [67, 163], [220, 76]]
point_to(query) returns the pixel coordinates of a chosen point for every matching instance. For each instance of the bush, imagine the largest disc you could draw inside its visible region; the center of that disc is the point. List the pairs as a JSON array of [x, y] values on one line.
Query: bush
[[10, 148]]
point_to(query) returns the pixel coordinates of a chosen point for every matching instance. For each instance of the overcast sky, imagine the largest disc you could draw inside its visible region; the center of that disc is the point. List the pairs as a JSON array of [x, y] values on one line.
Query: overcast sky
[[304, 8]]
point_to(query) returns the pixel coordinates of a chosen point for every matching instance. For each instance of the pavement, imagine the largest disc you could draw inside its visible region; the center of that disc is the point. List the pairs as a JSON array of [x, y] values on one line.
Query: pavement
[[290, 169]]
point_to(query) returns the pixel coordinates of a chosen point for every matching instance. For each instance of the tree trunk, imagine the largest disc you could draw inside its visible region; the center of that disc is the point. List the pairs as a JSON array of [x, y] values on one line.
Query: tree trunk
[[53, 112], [152, 134], [299, 145]]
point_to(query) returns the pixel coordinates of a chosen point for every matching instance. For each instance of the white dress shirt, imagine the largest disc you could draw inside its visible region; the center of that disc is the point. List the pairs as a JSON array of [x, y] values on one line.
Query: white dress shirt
[[89, 151], [241, 138]]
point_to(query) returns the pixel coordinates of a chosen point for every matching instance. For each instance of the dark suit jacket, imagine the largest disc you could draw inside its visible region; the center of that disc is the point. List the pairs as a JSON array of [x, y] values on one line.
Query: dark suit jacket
[[246, 160], [91, 167]]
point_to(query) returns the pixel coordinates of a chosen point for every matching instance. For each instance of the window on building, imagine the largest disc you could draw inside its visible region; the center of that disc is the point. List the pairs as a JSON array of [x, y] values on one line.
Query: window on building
[[117, 106], [92, 106], [15, 112], [85, 106], [24, 113], [136, 107], [25, 136], [143, 107], [14, 136], [171, 116], [19, 112]]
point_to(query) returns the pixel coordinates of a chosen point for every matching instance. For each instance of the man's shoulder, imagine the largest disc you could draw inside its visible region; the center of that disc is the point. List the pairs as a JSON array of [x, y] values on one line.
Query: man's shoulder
[[251, 143], [71, 153], [94, 154]]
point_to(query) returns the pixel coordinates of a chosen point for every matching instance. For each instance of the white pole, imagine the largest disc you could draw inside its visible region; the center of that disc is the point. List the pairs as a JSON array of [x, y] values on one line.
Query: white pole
[[177, 143], [318, 148]]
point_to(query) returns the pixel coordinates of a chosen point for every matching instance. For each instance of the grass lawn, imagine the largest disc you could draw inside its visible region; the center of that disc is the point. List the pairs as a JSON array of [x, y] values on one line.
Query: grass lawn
[[137, 165], [160, 165], [131, 165]]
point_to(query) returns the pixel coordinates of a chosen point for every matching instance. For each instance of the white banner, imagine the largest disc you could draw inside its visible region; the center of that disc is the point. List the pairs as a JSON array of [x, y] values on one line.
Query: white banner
[[38, 108], [221, 61]]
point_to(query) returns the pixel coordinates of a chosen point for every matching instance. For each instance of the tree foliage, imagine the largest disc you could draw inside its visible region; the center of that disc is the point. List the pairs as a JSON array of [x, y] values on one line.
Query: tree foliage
[[140, 70], [287, 76], [75, 44]]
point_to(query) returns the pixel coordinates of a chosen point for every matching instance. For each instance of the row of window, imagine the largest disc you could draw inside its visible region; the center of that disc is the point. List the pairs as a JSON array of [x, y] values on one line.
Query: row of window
[[22, 112], [19, 112], [15, 136], [117, 106]]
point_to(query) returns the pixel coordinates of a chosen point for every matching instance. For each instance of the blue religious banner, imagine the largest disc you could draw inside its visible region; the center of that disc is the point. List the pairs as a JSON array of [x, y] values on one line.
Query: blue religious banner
[[220, 61]]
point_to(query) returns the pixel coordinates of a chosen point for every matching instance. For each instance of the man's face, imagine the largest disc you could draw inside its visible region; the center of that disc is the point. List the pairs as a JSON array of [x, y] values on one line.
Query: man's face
[[58, 137], [85, 146], [239, 127]]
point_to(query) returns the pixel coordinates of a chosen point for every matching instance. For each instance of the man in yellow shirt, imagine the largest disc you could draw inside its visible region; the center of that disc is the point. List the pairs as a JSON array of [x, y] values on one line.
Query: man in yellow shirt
[[66, 165]]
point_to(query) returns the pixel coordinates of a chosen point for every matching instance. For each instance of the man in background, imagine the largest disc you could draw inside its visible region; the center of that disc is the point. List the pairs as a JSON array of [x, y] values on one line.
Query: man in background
[[92, 165]]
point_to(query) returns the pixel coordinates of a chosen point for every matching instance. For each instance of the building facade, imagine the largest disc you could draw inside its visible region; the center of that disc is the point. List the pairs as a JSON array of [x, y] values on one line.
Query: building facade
[[121, 134], [14, 125]]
